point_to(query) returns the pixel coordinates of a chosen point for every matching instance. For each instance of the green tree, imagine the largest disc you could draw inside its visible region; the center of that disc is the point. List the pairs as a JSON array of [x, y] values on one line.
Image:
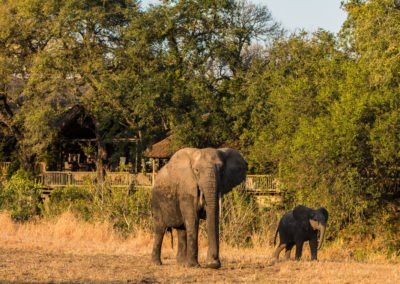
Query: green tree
[[193, 49], [311, 124], [374, 29], [60, 55], [298, 82]]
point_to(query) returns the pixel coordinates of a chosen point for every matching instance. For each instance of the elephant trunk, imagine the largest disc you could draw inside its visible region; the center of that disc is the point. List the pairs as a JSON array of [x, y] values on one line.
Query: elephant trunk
[[322, 235], [212, 211]]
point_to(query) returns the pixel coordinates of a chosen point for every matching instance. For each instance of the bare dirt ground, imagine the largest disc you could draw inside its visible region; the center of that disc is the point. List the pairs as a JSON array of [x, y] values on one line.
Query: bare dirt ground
[[69, 251]]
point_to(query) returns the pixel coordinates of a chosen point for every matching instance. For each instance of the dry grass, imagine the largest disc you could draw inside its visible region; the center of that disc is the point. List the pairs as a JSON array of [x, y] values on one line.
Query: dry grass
[[68, 250]]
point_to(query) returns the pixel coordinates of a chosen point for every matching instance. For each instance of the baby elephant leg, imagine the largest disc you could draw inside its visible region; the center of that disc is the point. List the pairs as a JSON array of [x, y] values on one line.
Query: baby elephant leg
[[299, 249], [278, 251], [314, 248], [288, 251]]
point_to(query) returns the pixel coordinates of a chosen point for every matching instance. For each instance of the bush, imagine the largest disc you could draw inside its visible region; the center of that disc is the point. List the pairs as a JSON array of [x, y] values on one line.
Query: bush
[[21, 195], [13, 168], [77, 200], [128, 210], [243, 220]]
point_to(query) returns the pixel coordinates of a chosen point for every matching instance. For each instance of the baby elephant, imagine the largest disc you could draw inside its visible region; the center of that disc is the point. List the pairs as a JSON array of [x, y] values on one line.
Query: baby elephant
[[298, 226]]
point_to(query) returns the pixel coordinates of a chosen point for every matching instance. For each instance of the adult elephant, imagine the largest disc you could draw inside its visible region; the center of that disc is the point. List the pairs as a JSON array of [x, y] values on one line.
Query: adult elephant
[[186, 189], [299, 226]]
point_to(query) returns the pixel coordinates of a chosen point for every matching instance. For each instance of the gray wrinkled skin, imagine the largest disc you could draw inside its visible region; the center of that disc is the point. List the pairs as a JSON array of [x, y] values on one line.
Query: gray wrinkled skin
[[186, 189]]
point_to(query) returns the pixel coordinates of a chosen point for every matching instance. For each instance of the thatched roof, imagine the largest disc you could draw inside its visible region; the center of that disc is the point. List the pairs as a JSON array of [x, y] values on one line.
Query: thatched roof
[[165, 148], [161, 150], [68, 116]]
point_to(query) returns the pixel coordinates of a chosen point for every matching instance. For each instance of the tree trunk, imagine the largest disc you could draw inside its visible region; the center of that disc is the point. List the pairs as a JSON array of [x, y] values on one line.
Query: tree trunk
[[27, 159], [100, 162], [101, 157]]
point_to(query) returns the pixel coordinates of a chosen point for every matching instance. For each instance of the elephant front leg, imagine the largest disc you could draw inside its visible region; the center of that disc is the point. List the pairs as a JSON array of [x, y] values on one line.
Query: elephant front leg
[[314, 248], [191, 223], [299, 249], [192, 228], [158, 238], [182, 248]]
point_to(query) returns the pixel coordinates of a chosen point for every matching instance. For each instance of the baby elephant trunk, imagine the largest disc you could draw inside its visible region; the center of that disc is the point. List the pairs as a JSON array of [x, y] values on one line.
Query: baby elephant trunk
[[321, 235]]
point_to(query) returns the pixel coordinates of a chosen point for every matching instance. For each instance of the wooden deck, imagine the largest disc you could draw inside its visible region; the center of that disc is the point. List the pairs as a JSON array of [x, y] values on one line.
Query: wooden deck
[[261, 184], [55, 179], [265, 188], [255, 184]]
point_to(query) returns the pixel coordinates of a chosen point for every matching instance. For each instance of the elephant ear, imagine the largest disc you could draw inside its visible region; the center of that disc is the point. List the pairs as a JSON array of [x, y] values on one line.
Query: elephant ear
[[324, 212], [234, 169], [302, 214]]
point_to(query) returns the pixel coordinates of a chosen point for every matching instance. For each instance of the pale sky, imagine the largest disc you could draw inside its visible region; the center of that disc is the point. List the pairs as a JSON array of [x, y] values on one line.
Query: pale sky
[[297, 14]]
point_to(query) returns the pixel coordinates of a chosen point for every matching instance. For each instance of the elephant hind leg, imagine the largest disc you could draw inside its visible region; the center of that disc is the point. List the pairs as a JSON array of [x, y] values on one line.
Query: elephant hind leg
[[158, 239], [182, 248], [278, 251], [288, 251]]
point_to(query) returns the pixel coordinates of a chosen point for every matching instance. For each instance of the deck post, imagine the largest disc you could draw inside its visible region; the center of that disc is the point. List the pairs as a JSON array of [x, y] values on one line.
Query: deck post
[[154, 171]]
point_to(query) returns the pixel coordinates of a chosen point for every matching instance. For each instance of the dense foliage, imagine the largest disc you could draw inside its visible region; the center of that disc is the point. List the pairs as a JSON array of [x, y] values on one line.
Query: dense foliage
[[128, 211], [319, 110], [21, 196]]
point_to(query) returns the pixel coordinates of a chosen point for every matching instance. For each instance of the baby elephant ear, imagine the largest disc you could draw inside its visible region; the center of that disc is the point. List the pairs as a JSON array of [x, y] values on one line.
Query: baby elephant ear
[[324, 212], [302, 213]]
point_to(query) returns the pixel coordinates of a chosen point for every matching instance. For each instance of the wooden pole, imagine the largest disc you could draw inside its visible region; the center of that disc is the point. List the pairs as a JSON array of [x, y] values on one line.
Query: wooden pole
[[154, 171], [136, 157]]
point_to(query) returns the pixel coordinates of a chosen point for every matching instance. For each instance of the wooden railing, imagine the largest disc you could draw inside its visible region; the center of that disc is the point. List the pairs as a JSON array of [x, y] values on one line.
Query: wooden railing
[[3, 168], [256, 184], [265, 188], [261, 184], [55, 179], [61, 179]]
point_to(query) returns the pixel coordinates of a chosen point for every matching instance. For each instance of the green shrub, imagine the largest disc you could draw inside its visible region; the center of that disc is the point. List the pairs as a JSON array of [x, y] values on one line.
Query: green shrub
[[13, 168], [243, 219], [128, 210], [77, 200], [21, 195]]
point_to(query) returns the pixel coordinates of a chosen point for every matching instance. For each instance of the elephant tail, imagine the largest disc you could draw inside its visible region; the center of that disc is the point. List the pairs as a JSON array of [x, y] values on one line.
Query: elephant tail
[[276, 233]]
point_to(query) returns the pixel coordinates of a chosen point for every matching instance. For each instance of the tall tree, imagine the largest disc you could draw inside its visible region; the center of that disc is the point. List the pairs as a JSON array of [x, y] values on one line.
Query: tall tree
[[62, 54], [193, 52], [373, 29]]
